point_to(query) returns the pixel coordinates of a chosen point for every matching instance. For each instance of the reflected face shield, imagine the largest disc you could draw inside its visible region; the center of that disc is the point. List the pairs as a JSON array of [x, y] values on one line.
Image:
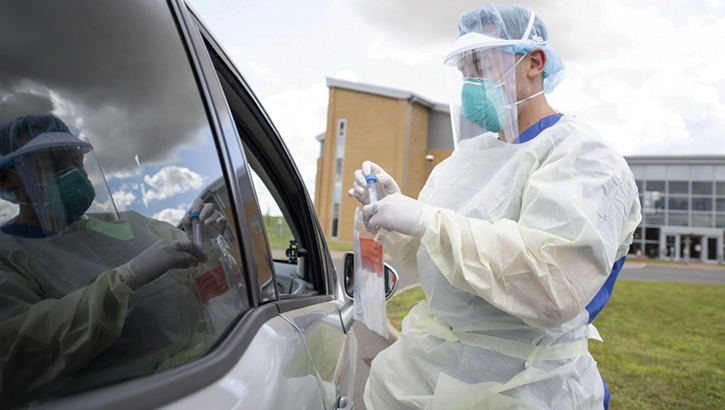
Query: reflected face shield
[[63, 183], [482, 87]]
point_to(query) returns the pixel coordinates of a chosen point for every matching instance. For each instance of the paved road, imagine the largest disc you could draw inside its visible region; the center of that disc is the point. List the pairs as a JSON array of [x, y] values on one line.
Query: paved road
[[369, 343]]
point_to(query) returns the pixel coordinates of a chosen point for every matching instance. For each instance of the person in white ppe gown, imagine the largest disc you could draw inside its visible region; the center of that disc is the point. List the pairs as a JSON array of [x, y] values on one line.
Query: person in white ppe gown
[[517, 237], [87, 295]]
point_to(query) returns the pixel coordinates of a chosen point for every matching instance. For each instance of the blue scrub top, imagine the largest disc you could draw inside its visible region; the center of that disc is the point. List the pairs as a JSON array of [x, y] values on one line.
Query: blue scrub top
[[24, 231], [536, 129]]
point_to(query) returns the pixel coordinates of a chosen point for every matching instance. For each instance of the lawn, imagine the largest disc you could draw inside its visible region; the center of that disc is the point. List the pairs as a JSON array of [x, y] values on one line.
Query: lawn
[[664, 344]]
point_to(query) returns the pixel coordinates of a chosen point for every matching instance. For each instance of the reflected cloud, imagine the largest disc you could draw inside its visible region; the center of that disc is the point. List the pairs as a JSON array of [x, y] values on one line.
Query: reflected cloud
[[171, 215], [170, 181]]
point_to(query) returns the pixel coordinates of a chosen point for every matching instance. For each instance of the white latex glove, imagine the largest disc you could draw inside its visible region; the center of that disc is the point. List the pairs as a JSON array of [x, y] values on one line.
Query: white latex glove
[[386, 184], [398, 213], [159, 258], [211, 221]]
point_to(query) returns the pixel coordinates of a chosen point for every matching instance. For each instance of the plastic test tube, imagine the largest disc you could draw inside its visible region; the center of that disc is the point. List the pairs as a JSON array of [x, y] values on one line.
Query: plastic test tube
[[196, 229], [372, 188]]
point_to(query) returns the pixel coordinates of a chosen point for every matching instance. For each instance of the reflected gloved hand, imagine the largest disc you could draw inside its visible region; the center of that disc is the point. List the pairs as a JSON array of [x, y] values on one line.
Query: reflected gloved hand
[[386, 184], [211, 221], [398, 213], [158, 259]]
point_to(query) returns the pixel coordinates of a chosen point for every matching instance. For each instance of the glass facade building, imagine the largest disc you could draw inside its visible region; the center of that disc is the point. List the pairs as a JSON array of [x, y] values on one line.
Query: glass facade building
[[683, 207]]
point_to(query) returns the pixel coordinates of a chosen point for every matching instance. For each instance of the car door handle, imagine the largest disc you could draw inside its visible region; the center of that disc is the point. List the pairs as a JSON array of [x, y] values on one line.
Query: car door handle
[[344, 404]]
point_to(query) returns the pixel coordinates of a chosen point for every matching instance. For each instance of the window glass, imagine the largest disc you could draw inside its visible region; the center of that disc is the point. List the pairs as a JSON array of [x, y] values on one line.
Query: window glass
[[720, 220], [702, 220], [283, 232], [653, 200], [720, 204], [655, 219], [106, 144], [720, 188], [677, 219], [652, 234], [678, 203], [702, 187], [679, 187], [702, 204]]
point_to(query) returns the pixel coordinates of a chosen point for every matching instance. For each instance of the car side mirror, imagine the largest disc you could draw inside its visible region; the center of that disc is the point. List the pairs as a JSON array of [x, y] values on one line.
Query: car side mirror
[[348, 269]]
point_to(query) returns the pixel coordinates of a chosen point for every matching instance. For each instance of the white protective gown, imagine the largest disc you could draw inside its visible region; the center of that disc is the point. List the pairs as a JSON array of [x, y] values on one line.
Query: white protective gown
[[526, 236]]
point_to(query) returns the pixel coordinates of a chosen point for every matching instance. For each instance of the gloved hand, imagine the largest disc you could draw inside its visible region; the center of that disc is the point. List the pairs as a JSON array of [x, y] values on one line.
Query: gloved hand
[[386, 184], [398, 213], [211, 221], [159, 258]]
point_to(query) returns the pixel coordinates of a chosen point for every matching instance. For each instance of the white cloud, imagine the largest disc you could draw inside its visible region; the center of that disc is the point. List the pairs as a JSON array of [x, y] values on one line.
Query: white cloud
[[172, 180], [171, 215], [124, 196], [299, 116]]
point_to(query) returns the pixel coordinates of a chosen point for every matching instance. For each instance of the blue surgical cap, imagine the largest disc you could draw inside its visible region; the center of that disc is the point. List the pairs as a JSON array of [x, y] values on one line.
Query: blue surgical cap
[[20, 131], [509, 21]]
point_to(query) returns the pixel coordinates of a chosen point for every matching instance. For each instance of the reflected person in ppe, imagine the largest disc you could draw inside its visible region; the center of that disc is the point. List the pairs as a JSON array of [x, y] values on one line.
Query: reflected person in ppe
[[84, 291], [517, 238]]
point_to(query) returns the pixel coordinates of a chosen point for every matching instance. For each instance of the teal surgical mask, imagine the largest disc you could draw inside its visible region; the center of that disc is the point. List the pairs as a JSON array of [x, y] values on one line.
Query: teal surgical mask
[[69, 193], [484, 103]]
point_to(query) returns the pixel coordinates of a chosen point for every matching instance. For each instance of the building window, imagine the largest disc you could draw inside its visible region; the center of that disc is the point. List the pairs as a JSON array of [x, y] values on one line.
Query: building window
[[680, 187], [702, 204], [677, 218], [335, 219], [701, 187], [679, 203], [702, 220], [337, 183]]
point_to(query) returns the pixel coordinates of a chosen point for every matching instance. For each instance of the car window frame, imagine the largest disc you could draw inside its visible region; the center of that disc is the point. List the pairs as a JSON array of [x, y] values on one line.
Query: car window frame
[[300, 207]]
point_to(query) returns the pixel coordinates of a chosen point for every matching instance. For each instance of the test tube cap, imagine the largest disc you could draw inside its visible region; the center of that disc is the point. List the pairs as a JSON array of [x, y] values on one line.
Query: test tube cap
[[371, 177], [194, 215]]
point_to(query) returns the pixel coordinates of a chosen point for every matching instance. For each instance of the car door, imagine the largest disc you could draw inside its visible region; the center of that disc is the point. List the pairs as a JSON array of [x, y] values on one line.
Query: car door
[[170, 121], [310, 296]]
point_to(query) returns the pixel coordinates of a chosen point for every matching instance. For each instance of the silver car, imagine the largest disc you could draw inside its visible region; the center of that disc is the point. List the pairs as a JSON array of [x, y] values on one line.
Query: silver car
[[264, 324]]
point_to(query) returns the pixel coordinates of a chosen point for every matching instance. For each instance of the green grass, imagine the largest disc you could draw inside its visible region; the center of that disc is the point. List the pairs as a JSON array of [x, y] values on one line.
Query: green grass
[[339, 246], [401, 303], [664, 344], [275, 241]]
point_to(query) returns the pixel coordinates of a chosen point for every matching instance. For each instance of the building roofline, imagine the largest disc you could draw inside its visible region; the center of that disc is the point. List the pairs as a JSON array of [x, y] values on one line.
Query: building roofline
[[389, 92], [675, 159]]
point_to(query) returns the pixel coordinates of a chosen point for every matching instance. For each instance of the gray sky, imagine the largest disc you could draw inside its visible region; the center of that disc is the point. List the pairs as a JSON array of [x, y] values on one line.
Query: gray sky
[[646, 74]]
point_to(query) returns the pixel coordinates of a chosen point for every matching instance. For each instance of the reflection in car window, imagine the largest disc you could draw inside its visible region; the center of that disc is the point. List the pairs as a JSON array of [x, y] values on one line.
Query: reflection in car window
[[105, 148]]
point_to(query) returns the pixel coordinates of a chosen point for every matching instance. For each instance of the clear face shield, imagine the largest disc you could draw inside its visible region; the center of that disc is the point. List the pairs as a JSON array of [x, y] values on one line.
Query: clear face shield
[[58, 175], [482, 84]]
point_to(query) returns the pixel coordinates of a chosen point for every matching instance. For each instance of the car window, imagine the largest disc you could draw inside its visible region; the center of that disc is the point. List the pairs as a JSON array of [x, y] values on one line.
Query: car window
[[278, 194], [105, 146]]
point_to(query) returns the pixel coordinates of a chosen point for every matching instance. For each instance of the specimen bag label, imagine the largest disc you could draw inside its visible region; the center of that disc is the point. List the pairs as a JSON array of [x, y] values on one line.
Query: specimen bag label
[[212, 283], [371, 255]]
